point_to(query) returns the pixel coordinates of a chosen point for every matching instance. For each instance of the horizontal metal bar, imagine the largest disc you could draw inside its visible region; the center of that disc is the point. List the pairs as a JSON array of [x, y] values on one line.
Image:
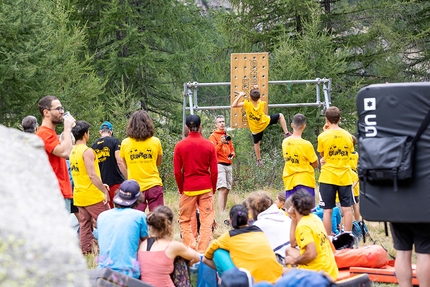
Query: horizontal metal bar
[[270, 106], [196, 84]]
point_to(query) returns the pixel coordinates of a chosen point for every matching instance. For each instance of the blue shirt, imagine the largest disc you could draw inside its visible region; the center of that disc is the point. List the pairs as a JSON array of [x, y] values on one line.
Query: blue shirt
[[119, 231]]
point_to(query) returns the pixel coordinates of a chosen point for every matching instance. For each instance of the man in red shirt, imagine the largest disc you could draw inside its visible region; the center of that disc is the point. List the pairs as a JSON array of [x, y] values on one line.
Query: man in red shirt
[[225, 154], [52, 115], [196, 172]]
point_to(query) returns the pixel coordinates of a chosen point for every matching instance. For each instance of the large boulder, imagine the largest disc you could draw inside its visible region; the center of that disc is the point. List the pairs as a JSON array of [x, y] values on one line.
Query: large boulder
[[38, 246]]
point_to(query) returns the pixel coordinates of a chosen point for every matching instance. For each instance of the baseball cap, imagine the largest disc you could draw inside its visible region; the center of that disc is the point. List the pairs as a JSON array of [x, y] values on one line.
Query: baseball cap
[[106, 125], [236, 277], [192, 121], [128, 193]]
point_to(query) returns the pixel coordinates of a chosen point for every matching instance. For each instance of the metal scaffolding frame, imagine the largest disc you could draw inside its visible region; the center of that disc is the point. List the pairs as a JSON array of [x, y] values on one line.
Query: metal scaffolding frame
[[190, 95]]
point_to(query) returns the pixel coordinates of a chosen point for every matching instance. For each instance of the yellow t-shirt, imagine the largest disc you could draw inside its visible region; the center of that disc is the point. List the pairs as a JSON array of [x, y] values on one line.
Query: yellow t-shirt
[[257, 118], [250, 249], [353, 159], [85, 192], [298, 155], [337, 147], [311, 229], [141, 159]]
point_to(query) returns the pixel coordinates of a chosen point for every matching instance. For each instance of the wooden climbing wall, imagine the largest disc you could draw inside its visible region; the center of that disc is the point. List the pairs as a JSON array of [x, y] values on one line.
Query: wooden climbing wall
[[246, 70]]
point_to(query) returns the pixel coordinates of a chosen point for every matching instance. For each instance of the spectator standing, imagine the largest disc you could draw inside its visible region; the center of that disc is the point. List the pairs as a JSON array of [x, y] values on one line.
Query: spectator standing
[[335, 147], [119, 231], [405, 235], [196, 173], [91, 196], [225, 154], [142, 154], [112, 168], [29, 124], [300, 160], [52, 115]]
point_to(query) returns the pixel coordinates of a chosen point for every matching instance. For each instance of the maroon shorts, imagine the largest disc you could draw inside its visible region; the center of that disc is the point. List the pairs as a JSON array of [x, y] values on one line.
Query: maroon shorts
[[153, 197]]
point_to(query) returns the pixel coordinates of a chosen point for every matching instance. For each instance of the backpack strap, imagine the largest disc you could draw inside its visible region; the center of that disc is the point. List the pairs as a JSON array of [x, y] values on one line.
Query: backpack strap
[[422, 128], [280, 246], [149, 243]]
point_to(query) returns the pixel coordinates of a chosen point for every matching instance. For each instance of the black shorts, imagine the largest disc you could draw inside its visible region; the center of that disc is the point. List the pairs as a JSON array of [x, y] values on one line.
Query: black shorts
[[328, 195], [273, 120], [407, 234]]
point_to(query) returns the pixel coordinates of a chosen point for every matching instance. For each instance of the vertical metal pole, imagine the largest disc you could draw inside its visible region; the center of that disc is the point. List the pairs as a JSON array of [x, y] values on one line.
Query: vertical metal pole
[[190, 99], [183, 111], [195, 85], [326, 96], [317, 86]]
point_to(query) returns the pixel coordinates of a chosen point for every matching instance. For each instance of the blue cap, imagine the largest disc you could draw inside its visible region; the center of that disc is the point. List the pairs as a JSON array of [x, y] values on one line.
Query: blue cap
[[106, 125], [128, 193]]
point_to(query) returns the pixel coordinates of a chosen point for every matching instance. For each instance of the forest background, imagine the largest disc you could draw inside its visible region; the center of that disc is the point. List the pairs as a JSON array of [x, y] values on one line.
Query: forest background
[[106, 59]]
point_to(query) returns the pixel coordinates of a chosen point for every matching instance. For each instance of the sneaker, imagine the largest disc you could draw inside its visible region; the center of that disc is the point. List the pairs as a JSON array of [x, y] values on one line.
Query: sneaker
[[259, 163], [287, 135], [227, 222]]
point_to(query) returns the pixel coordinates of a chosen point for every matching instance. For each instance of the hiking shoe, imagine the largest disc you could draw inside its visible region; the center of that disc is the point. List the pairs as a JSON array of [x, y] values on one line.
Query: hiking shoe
[[259, 163], [287, 135]]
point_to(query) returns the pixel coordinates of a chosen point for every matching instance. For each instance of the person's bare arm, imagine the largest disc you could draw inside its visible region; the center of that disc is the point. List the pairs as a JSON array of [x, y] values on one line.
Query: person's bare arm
[[236, 101], [309, 255], [314, 164], [209, 262], [292, 215], [185, 252], [159, 159], [65, 147], [121, 164], [89, 158]]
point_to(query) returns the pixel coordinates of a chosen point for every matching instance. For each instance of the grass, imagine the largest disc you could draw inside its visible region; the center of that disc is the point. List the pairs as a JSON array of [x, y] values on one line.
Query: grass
[[171, 199]]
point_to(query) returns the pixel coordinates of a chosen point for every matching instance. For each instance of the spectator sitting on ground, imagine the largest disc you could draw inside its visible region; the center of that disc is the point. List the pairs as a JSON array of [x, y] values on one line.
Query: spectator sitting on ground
[[119, 231], [157, 253], [272, 221], [248, 246], [308, 233], [280, 201]]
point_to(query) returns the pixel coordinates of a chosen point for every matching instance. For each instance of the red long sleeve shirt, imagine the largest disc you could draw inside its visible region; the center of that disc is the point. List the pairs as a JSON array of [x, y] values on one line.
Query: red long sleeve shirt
[[195, 164]]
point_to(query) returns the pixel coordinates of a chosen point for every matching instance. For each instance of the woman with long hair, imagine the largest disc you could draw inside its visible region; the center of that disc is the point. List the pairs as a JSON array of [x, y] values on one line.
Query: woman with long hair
[[157, 253], [142, 154]]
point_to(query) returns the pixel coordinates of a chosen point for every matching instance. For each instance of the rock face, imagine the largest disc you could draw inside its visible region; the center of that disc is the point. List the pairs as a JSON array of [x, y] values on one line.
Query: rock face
[[38, 247]]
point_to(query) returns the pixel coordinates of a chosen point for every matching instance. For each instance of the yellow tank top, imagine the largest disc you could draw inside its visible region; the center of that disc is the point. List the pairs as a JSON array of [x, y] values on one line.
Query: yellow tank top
[[85, 192]]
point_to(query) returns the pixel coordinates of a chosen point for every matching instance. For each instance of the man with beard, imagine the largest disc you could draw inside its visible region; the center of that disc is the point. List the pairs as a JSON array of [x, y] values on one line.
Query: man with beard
[[52, 115]]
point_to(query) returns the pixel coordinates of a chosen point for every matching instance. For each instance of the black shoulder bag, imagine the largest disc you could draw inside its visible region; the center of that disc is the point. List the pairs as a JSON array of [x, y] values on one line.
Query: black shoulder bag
[[389, 158]]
